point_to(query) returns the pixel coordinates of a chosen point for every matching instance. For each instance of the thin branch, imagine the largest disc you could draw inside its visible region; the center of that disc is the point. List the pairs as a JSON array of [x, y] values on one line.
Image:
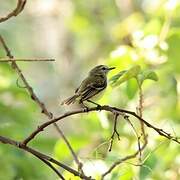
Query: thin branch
[[105, 108], [140, 108], [158, 130], [52, 167], [37, 100], [25, 59], [15, 12], [114, 132], [41, 156], [136, 133], [114, 165], [80, 165], [140, 113]]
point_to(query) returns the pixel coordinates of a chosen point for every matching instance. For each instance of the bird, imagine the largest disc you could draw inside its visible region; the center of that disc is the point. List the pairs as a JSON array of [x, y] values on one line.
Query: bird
[[93, 84]]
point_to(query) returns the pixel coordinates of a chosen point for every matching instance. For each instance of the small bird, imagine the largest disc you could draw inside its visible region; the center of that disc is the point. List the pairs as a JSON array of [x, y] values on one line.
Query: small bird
[[93, 84]]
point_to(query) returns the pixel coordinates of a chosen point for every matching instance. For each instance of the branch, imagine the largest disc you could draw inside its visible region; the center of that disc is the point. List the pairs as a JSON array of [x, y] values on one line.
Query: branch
[[41, 156], [141, 99], [25, 59], [122, 160], [140, 113], [15, 12], [105, 108], [136, 134], [38, 102], [51, 166], [114, 131]]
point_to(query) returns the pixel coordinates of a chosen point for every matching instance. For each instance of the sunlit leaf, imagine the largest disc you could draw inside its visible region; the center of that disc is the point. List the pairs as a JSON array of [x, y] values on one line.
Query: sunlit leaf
[[147, 74], [173, 51], [148, 166], [131, 88], [125, 75], [117, 76], [62, 152]]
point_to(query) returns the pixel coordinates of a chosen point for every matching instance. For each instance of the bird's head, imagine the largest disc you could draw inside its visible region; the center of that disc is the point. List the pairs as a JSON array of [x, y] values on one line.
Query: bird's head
[[101, 70]]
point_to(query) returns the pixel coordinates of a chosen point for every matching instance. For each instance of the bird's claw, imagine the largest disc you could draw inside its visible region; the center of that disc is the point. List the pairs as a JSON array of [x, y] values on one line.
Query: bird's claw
[[99, 107], [85, 109]]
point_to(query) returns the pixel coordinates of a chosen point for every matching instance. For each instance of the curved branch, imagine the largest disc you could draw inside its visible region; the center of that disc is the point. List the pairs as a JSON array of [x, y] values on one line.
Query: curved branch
[[38, 101], [105, 108], [51, 166], [15, 12], [41, 156], [118, 162]]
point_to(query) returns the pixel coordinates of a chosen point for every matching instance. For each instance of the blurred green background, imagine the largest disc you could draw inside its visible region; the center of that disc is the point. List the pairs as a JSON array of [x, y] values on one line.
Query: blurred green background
[[79, 35]]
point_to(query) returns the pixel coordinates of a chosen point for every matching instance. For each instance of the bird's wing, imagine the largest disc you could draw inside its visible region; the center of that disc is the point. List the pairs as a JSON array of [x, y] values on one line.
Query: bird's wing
[[90, 88]]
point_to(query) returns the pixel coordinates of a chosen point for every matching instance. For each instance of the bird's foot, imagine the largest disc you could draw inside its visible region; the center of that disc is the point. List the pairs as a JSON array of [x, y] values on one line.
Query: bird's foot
[[85, 109], [97, 105]]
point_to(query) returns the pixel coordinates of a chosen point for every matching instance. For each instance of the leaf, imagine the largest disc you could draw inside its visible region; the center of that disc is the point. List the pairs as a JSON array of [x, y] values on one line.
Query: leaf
[[148, 166], [147, 74], [173, 51], [126, 75], [131, 88], [117, 76]]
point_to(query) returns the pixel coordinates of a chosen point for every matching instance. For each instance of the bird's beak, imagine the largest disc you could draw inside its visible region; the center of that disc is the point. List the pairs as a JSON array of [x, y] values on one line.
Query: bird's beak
[[111, 68]]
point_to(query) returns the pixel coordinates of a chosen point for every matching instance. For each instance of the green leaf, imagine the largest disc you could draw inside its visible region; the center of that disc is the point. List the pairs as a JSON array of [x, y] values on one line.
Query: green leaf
[[125, 75], [62, 152], [148, 167], [117, 76], [173, 51], [147, 74], [131, 88]]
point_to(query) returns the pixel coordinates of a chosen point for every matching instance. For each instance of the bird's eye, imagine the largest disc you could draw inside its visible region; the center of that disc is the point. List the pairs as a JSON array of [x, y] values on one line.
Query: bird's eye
[[104, 68]]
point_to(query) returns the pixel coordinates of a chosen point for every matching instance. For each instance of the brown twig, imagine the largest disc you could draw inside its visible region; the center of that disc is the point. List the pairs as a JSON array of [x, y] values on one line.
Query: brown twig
[[80, 165], [105, 108], [37, 100], [52, 167], [140, 113], [41, 156], [15, 12], [113, 110], [114, 165], [140, 110], [136, 133], [25, 59], [114, 132], [140, 149]]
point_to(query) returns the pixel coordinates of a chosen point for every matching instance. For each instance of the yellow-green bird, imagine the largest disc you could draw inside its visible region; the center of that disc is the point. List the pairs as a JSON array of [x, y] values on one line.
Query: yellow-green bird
[[93, 84]]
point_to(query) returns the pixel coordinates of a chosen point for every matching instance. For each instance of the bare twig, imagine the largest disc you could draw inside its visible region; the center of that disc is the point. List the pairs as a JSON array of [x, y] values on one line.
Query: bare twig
[[114, 131], [136, 133], [140, 113], [114, 165], [105, 108], [80, 165], [41, 156], [52, 167], [37, 100], [112, 110], [15, 12], [25, 59], [140, 149]]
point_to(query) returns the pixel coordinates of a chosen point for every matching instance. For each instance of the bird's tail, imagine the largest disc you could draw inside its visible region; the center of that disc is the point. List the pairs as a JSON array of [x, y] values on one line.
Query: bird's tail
[[70, 100]]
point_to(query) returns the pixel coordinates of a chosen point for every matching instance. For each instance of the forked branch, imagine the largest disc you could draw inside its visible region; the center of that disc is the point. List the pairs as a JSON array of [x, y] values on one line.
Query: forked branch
[[46, 159], [35, 98], [103, 108]]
